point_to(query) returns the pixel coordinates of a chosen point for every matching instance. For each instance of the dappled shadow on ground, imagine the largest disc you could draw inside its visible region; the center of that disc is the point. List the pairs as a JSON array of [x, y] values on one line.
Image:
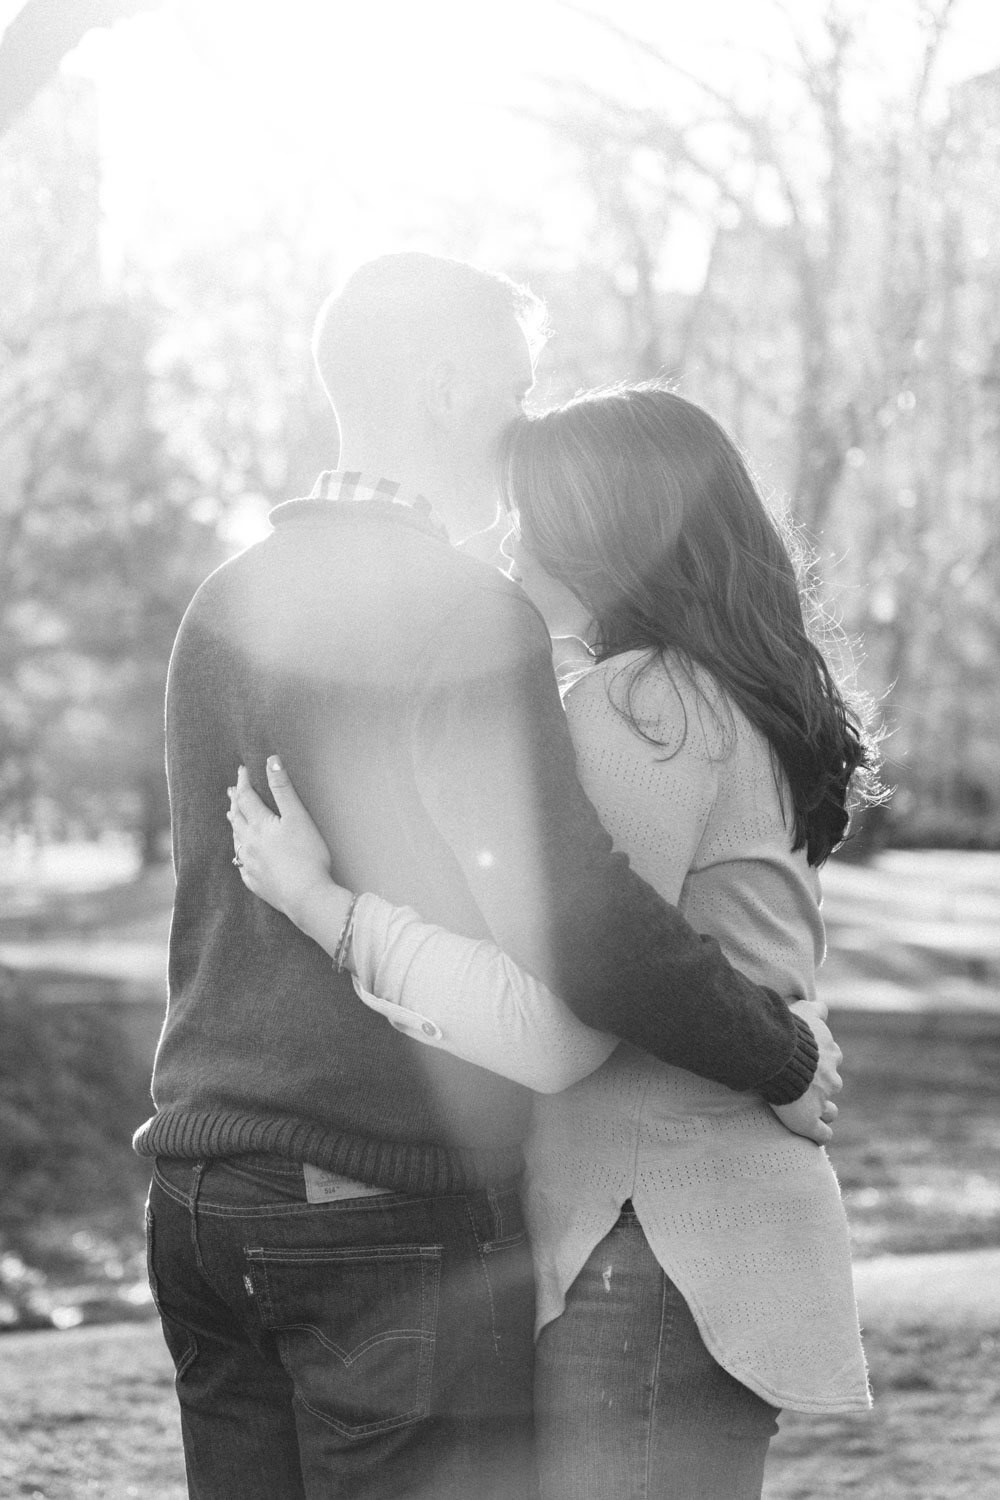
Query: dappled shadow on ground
[[917, 1142], [915, 931]]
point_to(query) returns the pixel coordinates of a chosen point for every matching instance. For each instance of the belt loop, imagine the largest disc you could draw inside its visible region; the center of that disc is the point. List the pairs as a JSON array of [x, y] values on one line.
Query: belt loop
[[197, 1173]]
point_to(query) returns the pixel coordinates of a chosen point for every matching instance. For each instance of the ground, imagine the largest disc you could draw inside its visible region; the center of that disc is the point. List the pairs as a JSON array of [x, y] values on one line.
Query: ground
[[91, 1413], [913, 979]]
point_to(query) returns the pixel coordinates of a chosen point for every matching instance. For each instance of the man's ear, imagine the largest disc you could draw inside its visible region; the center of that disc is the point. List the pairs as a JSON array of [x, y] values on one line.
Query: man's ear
[[441, 394]]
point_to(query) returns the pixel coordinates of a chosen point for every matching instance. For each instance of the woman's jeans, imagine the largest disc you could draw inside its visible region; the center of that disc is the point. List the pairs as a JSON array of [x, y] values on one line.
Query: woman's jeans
[[370, 1347], [629, 1404]]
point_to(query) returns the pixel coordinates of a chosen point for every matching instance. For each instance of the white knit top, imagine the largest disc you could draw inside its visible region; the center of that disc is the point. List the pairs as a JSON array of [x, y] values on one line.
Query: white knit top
[[744, 1217]]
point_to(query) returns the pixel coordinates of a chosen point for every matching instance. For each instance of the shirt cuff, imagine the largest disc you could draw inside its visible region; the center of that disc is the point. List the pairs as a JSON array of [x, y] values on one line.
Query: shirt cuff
[[410, 1022], [791, 1081]]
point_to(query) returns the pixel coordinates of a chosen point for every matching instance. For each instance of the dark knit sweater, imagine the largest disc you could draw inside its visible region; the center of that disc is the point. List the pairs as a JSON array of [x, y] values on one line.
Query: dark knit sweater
[[409, 691]]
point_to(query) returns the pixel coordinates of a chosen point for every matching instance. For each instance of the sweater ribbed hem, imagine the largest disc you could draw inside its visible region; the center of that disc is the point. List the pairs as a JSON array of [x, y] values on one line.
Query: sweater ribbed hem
[[199, 1135], [791, 1081]]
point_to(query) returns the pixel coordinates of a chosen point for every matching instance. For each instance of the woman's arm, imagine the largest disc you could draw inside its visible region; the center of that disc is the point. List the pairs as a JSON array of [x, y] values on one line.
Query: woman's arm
[[469, 998], [456, 993]]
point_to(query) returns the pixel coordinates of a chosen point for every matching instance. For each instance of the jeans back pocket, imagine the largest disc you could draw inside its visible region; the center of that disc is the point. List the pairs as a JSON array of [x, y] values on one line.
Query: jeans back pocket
[[355, 1327]]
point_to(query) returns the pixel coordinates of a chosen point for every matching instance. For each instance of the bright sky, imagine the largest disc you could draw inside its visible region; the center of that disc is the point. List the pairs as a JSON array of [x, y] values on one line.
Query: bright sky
[[348, 115]]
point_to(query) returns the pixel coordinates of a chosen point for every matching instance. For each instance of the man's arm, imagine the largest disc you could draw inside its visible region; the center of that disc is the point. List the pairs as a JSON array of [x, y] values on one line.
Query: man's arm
[[496, 769]]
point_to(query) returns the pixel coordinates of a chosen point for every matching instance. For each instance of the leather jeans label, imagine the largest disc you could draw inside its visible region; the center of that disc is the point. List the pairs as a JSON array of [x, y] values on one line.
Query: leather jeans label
[[330, 1187]]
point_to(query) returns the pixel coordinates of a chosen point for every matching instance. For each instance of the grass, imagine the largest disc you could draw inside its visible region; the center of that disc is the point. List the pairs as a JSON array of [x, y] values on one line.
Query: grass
[[934, 1433], [91, 1412]]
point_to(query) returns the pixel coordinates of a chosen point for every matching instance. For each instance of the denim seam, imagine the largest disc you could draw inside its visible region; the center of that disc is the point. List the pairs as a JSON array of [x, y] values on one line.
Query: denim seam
[[150, 1252], [427, 1256], [363, 1429], [283, 1210], [481, 1257], [666, 1319], [184, 1199], [321, 1255], [367, 1204], [184, 1361]]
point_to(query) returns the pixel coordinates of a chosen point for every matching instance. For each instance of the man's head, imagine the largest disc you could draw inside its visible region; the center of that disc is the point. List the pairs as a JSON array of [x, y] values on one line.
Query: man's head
[[426, 360]]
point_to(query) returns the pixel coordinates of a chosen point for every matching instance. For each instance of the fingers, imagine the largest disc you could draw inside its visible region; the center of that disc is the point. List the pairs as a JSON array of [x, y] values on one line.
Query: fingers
[[286, 798], [815, 1130], [237, 822], [827, 1079], [243, 799]]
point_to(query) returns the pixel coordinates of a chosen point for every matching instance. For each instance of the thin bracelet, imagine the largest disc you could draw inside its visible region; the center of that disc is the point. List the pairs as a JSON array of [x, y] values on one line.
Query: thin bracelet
[[344, 941]]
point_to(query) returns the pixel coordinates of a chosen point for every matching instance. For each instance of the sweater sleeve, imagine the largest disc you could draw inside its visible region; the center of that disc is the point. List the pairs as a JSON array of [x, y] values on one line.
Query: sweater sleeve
[[421, 978], [468, 998], [495, 767]]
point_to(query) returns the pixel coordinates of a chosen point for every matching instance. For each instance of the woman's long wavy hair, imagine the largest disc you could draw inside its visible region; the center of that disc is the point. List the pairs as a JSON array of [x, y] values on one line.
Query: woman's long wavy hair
[[638, 501]]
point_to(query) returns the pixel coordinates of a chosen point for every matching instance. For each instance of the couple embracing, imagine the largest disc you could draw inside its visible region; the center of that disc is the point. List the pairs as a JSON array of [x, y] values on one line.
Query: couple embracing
[[491, 1095]]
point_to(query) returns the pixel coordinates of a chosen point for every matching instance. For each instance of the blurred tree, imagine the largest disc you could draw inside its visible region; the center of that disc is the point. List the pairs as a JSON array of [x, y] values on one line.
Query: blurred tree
[[106, 551], [38, 38], [846, 329], [246, 404], [102, 545]]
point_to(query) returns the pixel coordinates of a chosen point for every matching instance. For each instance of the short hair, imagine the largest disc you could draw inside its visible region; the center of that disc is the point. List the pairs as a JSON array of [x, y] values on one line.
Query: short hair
[[399, 309]]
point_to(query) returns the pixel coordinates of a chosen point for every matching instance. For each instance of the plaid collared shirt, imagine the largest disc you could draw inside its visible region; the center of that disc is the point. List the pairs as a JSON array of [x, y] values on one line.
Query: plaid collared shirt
[[338, 484]]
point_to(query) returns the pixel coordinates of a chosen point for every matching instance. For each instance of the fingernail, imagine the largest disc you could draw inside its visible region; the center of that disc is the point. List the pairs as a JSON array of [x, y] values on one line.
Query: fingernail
[[273, 763]]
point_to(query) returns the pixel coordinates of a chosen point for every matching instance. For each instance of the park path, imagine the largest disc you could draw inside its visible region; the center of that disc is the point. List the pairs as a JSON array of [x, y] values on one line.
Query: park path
[[949, 1289], [915, 931]]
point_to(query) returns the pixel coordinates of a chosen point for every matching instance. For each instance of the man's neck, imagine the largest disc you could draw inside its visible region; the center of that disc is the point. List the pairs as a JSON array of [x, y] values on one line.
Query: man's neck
[[408, 469]]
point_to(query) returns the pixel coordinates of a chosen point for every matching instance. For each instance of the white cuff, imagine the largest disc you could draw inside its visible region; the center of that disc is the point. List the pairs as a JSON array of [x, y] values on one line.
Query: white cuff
[[420, 1027]]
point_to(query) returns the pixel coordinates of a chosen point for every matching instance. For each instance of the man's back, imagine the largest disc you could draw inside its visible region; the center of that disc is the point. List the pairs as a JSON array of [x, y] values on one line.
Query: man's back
[[325, 642]]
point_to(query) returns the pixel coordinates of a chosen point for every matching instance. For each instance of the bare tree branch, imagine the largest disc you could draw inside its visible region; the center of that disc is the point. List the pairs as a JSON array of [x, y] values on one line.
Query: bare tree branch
[[936, 20]]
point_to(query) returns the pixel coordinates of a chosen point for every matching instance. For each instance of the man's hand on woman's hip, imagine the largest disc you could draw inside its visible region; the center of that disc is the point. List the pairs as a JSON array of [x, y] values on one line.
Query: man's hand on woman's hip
[[814, 1111]]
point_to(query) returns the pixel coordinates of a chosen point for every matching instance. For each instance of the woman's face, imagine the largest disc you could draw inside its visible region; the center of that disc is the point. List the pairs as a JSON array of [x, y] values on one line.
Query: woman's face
[[559, 607]]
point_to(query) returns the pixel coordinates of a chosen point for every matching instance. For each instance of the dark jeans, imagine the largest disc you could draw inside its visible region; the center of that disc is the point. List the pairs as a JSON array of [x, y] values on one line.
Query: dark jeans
[[372, 1347], [630, 1405]]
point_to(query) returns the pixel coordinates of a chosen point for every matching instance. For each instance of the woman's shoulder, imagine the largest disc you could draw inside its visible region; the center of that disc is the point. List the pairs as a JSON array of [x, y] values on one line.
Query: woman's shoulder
[[658, 695]]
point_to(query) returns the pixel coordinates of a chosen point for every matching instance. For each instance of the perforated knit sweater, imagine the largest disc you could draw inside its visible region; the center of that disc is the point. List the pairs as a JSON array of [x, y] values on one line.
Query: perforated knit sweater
[[744, 1217]]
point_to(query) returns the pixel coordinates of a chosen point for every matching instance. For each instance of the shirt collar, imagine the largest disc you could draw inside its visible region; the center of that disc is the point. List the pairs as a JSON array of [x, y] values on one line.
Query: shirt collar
[[340, 484]]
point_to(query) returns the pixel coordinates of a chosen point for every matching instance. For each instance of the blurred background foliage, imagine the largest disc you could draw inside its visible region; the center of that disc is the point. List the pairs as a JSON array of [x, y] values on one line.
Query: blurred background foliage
[[842, 318]]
